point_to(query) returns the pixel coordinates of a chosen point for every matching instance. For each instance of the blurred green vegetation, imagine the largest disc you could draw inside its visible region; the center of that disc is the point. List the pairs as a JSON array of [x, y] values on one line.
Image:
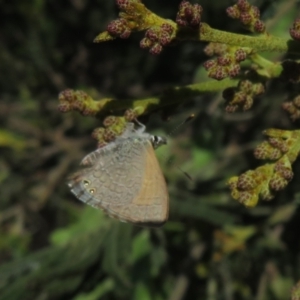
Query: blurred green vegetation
[[53, 247]]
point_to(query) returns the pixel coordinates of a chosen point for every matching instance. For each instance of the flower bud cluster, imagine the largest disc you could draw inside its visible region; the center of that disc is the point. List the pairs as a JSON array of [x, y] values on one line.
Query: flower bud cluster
[[113, 126], [78, 101], [123, 4], [295, 30], [242, 97], [127, 22], [119, 28], [248, 14], [227, 64], [281, 149], [157, 37], [293, 108], [189, 15], [216, 49]]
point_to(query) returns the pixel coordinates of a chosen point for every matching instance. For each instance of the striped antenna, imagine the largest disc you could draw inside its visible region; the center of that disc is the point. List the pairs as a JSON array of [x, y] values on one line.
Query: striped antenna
[[188, 119]]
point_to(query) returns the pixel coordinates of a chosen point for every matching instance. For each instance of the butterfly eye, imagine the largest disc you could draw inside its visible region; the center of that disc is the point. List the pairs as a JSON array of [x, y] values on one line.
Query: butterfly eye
[[157, 141], [92, 191], [86, 183]]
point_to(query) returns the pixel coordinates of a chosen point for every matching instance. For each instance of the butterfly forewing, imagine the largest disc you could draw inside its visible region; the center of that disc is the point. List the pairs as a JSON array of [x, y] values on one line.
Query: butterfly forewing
[[125, 180]]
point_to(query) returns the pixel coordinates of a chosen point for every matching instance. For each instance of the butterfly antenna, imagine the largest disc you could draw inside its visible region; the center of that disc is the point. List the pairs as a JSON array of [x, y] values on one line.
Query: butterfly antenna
[[188, 119]]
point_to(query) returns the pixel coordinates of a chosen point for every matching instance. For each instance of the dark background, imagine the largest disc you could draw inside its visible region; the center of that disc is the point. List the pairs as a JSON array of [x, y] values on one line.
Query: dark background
[[53, 247]]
